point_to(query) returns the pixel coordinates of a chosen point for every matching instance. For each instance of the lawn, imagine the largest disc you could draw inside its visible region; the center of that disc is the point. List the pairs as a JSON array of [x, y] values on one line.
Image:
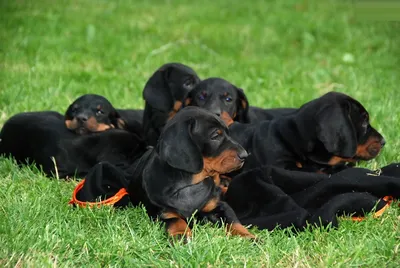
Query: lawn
[[282, 53]]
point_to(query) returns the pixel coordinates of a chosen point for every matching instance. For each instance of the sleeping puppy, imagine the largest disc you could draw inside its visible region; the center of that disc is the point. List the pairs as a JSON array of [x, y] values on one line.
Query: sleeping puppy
[[181, 175], [163, 95], [92, 113], [322, 135], [41, 138], [229, 102]]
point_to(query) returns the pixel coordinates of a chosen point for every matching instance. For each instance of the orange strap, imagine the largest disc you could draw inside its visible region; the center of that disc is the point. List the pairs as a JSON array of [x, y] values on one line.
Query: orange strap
[[108, 202], [388, 199]]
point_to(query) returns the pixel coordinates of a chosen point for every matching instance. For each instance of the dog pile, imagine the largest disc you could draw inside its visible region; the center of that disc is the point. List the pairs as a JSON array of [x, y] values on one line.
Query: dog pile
[[198, 148]]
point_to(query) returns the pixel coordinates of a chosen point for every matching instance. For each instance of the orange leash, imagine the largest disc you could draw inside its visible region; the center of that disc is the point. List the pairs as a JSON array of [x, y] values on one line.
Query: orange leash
[[388, 199], [107, 202]]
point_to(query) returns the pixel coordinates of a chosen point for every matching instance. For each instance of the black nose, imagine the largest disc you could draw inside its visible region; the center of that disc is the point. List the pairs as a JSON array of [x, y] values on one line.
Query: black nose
[[82, 118], [217, 112], [242, 155], [383, 142]]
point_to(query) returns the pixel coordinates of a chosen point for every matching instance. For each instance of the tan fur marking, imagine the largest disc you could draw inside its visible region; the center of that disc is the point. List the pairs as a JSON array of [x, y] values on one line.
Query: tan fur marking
[[211, 205], [238, 229], [363, 149], [224, 182], [177, 105], [91, 124], [71, 124], [199, 177], [179, 227], [244, 104], [217, 179], [362, 152], [175, 109], [102, 127], [226, 162], [226, 118], [169, 215], [335, 160], [224, 189], [188, 101]]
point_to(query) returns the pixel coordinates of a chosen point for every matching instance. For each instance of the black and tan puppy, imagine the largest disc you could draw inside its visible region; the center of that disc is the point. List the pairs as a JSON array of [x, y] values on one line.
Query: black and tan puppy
[[181, 175], [229, 102], [163, 95], [92, 113], [323, 134], [221, 98], [41, 138]]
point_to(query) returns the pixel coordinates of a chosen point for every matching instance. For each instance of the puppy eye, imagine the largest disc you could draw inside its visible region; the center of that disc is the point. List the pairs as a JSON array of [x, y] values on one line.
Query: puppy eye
[[99, 112], [216, 134], [228, 99], [202, 96]]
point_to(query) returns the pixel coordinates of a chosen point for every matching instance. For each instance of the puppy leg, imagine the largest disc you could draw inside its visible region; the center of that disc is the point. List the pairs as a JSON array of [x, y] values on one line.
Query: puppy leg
[[176, 225], [233, 225]]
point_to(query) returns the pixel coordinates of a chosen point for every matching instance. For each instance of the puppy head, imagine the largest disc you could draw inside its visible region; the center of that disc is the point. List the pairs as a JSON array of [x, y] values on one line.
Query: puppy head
[[92, 113], [344, 129], [221, 98], [195, 140], [167, 87]]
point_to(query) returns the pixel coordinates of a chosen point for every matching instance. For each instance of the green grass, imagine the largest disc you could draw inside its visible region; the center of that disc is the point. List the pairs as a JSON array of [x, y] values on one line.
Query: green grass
[[282, 53]]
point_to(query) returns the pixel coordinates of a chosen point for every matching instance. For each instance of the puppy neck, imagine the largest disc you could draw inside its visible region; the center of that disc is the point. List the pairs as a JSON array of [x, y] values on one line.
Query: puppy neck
[[208, 171], [298, 134]]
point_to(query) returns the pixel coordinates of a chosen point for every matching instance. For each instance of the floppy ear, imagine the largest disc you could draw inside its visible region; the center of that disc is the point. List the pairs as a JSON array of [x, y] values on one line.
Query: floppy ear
[[179, 150], [242, 107], [336, 131], [157, 92], [177, 90]]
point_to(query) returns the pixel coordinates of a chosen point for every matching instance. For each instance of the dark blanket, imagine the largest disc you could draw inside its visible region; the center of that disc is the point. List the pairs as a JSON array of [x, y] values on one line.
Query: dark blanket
[[268, 197]]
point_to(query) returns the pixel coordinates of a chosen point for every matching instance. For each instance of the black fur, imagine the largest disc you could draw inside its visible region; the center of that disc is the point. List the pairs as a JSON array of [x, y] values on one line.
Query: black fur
[[165, 182], [218, 95], [310, 139], [167, 86], [92, 113], [43, 139]]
